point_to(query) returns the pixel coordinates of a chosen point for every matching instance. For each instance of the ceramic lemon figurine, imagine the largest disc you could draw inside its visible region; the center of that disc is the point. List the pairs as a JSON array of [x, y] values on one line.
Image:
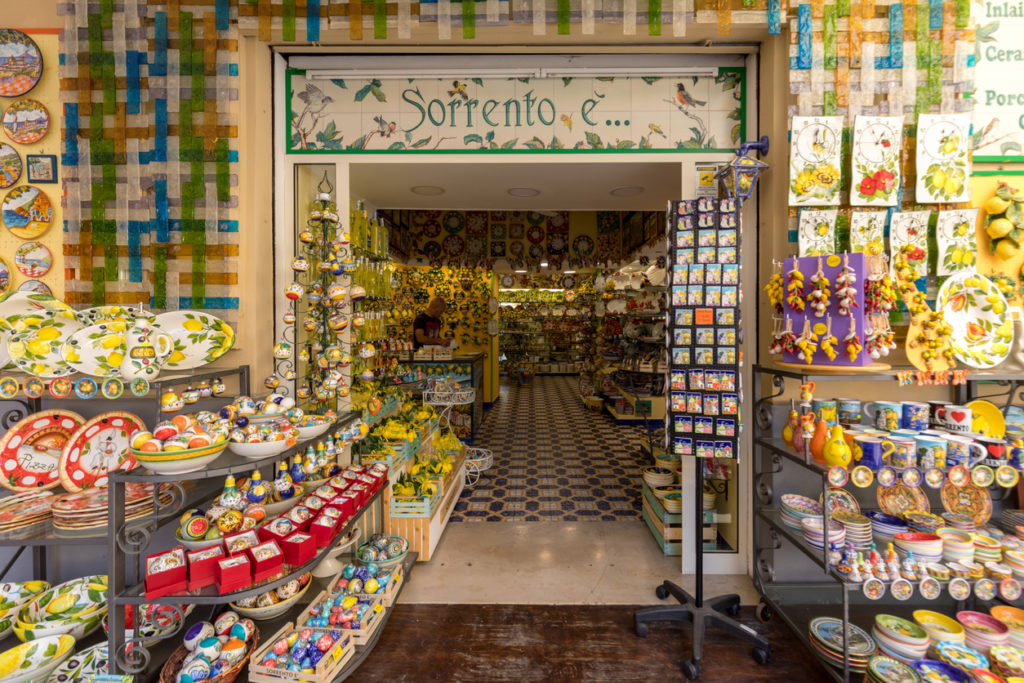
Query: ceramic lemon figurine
[[837, 451], [791, 426]]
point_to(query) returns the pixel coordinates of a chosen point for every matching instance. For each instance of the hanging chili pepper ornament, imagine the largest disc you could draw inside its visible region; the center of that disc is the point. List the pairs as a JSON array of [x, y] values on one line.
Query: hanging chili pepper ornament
[[795, 289], [817, 300], [846, 288]]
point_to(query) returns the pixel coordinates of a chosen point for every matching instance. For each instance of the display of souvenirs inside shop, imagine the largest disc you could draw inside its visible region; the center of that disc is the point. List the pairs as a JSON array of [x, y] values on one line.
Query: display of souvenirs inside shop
[[328, 352]]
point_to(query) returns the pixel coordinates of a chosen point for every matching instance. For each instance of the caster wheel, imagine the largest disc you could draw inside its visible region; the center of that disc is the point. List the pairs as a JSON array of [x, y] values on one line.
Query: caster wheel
[[762, 656], [691, 669], [764, 612], [733, 611], [661, 592], [641, 629]]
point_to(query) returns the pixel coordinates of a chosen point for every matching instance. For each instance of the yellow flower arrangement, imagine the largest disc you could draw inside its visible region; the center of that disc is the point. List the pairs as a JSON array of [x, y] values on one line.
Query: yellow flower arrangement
[[826, 175]]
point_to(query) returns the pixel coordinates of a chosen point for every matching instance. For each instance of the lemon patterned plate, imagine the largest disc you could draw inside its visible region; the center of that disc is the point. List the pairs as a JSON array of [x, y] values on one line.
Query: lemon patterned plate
[[81, 667], [198, 338], [976, 310], [97, 350], [36, 350], [33, 661], [113, 313], [71, 599]]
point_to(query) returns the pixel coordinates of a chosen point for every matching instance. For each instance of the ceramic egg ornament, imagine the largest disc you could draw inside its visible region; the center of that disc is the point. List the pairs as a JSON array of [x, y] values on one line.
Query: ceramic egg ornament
[[196, 669], [198, 633], [223, 623], [171, 402], [357, 293], [294, 291]]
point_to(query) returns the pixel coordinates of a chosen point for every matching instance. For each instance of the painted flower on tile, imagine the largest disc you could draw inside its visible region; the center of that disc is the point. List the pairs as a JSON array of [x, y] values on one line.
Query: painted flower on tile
[[876, 185]]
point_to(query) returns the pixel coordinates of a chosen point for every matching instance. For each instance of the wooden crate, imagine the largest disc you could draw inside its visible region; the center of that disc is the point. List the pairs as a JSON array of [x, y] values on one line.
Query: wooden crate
[[424, 534], [667, 528], [326, 669], [360, 636]]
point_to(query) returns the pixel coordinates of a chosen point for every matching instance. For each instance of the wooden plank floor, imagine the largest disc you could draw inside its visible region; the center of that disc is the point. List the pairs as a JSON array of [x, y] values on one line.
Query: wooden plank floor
[[495, 643]]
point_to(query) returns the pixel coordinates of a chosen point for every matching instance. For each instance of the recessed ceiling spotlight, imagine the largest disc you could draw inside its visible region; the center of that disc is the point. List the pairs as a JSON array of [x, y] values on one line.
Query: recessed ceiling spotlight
[[626, 191], [520, 271], [570, 272], [543, 264], [427, 190], [523, 191]]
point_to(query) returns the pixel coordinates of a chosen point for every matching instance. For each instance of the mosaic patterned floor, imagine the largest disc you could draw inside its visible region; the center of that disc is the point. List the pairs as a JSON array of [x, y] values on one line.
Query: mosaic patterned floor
[[553, 460]]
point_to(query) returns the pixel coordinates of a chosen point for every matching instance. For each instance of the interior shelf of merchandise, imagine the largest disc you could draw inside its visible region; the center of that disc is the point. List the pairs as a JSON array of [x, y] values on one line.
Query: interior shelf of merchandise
[[785, 589], [535, 328]]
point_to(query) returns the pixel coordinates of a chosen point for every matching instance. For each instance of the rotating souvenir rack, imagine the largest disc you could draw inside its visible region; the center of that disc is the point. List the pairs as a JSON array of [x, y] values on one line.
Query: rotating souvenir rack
[[128, 546], [802, 591]]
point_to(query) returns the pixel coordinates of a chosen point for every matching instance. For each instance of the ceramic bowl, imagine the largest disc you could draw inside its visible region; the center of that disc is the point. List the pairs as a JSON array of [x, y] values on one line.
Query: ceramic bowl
[[939, 626], [158, 622], [77, 598], [34, 661], [258, 450], [940, 671], [179, 462], [272, 611], [281, 507], [196, 545], [307, 433], [79, 627]]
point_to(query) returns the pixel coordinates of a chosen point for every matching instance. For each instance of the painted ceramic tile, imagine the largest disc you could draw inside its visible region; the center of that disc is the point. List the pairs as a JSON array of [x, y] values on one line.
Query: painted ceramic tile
[[817, 233], [814, 158], [911, 227], [876, 160], [955, 234], [867, 232], [942, 164]]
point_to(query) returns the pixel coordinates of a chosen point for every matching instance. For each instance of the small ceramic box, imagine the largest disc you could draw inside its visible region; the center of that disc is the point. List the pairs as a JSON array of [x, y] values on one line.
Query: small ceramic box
[[237, 543], [166, 573], [202, 566]]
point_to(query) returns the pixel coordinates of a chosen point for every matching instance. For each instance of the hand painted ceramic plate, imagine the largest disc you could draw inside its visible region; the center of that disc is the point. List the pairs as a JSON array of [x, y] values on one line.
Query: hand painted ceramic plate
[[900, 499], [26, 212], [959, 475], [33, 387], [981, 336], [1010, 589], [10, 166], [829, 630], [96, 448], [838, 476], [5, 276], [96, 350], [33, 259], [60, 387], [874, 589], [37, 351], [9, 387], [26, 121], [968, 500], [86, 387], [112, 388], [862, 476], [929, 588], [24, 65], [882, 668], [30, 450], [34, 660], [901, 589], [1007, 476], [987, 419], [912, 476], [982, 475], [198, 338], [82, 666], [886, 476], [840, 500], [35, 287], [934, 477], [113, 313]]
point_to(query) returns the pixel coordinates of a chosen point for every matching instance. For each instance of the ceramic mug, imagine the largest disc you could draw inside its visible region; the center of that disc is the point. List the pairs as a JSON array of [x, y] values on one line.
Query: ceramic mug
[[1017, 454], [884, 414], [958, 418], [848, 410], [931, 451], [825, 409], [995, 449], [904, 453], [959, 449], [937, 413], [146, 351], [872, 452], [915, 415]]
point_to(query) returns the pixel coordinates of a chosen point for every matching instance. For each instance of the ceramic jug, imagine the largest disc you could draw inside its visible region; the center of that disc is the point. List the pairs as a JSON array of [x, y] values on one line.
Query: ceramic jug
[[818, 441], [837, 451], [147, 350]]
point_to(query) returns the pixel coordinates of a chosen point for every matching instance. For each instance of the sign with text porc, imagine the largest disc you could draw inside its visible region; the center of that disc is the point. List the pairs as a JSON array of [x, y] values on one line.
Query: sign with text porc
[[998, 118]]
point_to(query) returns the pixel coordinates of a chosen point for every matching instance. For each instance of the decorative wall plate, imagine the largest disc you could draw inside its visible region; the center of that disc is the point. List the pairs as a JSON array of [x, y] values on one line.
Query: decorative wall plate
[[34, 387], [139, 386], [26, 212], [96, 350], [60, 387], [30, 450], [968, 500], [33, 259], [900, 499], [11, 166], [112, 388], [86, 387], [5, 276], [24, 65], [982, 330], [37, 350], [9, 387], [96, 448], [35, 286], [114, 313], [198, 338], [83, 666], [26, 121]]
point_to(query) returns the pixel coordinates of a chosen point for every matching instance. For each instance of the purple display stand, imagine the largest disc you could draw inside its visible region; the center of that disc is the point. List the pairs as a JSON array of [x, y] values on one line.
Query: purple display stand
[[808, 265]]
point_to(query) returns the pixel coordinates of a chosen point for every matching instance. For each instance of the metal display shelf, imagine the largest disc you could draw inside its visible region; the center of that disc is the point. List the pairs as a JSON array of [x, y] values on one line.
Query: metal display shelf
[[799, 601]]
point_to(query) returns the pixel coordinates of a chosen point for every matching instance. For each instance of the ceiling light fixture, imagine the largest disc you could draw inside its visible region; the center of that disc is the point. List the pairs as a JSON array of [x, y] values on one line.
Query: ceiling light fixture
[[427, 190], [626, 191], [523, 191], [570, 272], [543, 264], [520, 271]]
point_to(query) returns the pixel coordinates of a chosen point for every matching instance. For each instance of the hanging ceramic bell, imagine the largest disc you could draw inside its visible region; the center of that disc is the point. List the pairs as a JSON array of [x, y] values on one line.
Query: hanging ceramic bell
[[217, 387], [288, 318], [282, 351], [367, 351], [358, 293], [304, 355], [294, 291], [289, 375], [272, 381], [171, 402], [300, 264], [303, 392], [336, 292]]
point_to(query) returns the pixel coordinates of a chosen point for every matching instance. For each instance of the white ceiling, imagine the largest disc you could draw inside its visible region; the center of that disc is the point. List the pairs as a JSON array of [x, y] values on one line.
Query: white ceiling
[[484, 186]]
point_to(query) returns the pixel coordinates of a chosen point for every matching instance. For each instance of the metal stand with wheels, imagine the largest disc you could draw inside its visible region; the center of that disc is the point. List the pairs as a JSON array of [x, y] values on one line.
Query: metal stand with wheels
[[714, 612]]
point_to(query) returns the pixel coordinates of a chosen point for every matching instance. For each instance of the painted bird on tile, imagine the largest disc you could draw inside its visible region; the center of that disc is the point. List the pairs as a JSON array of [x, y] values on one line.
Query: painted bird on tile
[[686, 99], [459, 89], [656, 130], [567, 120], [384, 128], [316, 101]]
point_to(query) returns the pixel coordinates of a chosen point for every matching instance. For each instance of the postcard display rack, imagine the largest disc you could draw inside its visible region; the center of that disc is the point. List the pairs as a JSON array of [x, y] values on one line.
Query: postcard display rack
[[704, 396]]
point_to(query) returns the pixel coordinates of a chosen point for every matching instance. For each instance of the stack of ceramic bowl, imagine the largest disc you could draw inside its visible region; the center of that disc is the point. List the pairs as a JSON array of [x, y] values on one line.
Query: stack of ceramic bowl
[[927, 547], [795, 508], [1013, 617], [12, 597], [898, 638], [1007, 660], [709, 500], [673, 503], [1009, 520], [957, 545], [983, 630], [814, 532], [86, 511], [882, 669], [74, 607], [987, 549], [884, 527], [827, 638], [1014, 559], [958, 521], [961, 656], [924, 522], [658, 476], [858, 528], [940, 628]]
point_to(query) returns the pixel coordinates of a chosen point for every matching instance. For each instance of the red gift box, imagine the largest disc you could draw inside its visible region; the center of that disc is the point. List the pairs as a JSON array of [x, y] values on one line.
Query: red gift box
[[347, 503], [361, 492], [324, 528], [166, 573], [339, 483], [267, 560], [202, 566], [271, 531], [304, 524], [299, 548], [238, 542], [315, 503], [234, 573]]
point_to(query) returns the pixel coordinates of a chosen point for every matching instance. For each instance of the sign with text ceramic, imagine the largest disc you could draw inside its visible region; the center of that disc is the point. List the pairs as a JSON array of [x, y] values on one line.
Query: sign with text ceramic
[[512, 114], [815, 149], [998, 114], [942, 164], [876, 161]]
